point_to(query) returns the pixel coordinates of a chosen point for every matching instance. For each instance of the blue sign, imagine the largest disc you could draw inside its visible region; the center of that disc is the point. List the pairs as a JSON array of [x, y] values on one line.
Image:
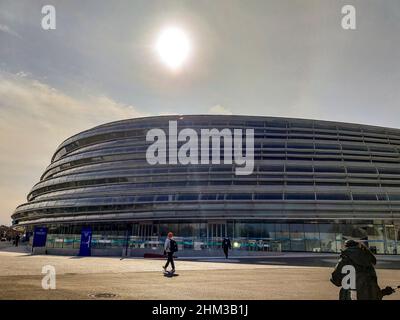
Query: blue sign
[[86, 239], [39, 237]]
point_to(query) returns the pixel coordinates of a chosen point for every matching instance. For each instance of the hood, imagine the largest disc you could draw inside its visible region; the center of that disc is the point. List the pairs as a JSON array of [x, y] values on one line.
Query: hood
[[359, 256]]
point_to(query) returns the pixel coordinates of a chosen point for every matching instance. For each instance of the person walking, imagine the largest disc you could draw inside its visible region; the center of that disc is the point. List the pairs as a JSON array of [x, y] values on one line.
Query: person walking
[[356, 254], [17, 240], [226, 245], [170, 247]]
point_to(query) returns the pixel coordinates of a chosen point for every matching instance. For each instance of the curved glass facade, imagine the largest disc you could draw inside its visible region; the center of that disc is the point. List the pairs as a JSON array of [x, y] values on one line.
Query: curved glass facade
[[314, 184]]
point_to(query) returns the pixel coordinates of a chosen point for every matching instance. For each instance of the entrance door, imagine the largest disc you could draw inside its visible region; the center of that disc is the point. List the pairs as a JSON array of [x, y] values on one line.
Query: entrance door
[[145, 230], [216, 231], [145, 234]]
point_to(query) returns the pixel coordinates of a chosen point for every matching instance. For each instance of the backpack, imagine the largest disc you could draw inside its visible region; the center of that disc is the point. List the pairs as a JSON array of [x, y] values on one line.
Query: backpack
[[173, 246]]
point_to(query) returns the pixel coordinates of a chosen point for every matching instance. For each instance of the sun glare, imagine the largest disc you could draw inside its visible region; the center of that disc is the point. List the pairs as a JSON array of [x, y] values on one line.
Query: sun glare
[[173, 47]]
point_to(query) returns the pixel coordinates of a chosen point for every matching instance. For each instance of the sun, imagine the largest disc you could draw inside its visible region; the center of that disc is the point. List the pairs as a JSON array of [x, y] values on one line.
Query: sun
[[173, 46]]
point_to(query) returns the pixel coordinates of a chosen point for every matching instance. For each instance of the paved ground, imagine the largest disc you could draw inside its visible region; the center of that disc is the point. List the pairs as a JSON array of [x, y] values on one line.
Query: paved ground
[[289, 276]]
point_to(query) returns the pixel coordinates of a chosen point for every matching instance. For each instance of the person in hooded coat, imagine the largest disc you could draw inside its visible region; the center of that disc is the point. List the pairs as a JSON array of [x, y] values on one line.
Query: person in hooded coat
[[226, 245], [363, 261]]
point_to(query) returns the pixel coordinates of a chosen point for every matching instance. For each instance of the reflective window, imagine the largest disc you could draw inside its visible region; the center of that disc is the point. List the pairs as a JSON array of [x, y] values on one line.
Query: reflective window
[[360, 170], [221, 196], [282, 234], [297, 237], [271, 168], [299, 196], [329, 169], [356, 147], [293, 168], [330, 183], [381, 197], [299, 183], [268, 196], [162, 197], [389, 170], [208, 196], [274, 145], [333, 196], [382, 149], [364, 196], [327, 146], [300, 145], [187, 197], [327, 237], [394, 197], [239, 196]]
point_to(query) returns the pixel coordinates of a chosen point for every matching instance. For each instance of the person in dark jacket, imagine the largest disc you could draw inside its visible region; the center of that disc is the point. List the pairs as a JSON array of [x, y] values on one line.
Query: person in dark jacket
[[226, 245], [17, 240], [356, 254]]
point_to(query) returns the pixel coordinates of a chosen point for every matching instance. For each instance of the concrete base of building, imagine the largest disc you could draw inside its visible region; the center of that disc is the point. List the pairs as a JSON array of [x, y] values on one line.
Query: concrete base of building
[[75, 252]]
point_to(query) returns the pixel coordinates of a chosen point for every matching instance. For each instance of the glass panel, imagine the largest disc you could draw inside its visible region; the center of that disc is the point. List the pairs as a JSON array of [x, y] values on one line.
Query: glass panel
[[282, 235], [299, 196], [239, 196], [297, 237], [332, 196], [375, 238], [187, 197], [390, 233], [245, 235], [311, 235], [268, 196], [364, 196], [328, 238]]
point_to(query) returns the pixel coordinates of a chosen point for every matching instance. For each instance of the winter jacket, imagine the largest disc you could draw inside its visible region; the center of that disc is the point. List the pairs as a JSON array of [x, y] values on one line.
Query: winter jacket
[[363, 262], [226, 244]]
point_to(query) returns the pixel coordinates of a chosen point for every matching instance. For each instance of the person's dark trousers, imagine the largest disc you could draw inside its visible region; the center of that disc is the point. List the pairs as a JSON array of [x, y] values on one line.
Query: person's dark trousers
[[170, 258], [226, 253]]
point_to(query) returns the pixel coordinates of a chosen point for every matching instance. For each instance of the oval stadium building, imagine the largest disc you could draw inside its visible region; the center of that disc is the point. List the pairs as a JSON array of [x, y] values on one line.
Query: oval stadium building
[[314, 184]]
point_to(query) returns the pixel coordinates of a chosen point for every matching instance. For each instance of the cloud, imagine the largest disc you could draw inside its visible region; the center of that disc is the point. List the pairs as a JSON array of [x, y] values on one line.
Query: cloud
[[7, 29], [218, 109], [34, 119], [23, 74]]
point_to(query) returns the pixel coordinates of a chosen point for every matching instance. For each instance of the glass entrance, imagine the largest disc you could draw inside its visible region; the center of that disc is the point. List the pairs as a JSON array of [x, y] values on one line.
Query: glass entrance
[[144, 236], [145, 231], [391, 243], [216, 231]]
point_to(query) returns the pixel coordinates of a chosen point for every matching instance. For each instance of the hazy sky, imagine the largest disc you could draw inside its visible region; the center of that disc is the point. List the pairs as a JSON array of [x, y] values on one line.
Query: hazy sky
[[280, 58]]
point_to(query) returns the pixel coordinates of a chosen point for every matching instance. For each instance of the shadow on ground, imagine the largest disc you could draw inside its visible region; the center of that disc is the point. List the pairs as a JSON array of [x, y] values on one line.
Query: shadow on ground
[[326, 261]]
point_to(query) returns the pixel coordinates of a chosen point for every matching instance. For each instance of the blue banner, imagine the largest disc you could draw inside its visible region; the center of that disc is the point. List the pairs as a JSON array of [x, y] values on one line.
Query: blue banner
[[86, 239], [39, 237]]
